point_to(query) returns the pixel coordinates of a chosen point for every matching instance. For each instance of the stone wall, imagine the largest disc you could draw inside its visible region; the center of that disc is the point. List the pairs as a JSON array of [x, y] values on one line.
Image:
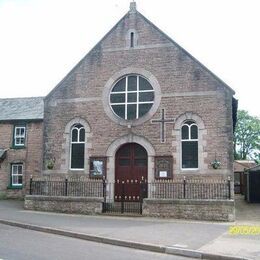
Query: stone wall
[[79, 205], [212, 210]]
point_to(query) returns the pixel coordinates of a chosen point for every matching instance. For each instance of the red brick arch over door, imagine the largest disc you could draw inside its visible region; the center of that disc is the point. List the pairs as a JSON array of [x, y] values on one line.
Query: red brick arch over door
[[130, 168]]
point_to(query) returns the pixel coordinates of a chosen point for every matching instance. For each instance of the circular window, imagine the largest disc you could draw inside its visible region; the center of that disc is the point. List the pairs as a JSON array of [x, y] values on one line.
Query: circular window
[[131, 97]]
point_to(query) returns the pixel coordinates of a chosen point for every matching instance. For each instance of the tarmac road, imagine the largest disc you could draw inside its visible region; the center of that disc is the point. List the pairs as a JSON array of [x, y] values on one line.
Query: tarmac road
[[22, 244]]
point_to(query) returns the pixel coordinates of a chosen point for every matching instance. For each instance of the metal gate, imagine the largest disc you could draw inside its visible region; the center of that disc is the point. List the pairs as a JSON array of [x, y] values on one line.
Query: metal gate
[[124, 196]]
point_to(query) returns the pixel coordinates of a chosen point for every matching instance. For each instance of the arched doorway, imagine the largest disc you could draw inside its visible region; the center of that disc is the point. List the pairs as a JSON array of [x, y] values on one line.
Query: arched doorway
[[130, 169]]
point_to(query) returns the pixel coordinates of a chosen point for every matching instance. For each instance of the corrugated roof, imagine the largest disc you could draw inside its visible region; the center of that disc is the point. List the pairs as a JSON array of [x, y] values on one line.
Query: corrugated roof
[[21, 108], [241, 165], [254, 169]]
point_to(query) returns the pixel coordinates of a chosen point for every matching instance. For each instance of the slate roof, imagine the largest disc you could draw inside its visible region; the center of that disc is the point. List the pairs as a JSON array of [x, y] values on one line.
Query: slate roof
[[21, 109]]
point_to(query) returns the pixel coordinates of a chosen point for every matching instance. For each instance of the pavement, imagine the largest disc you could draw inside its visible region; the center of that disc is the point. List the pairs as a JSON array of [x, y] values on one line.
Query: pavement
[[196, 239]]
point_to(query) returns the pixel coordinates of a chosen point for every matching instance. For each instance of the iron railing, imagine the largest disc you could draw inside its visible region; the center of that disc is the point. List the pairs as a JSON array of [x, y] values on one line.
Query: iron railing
[[190, 189], [158, 189], [74, 187]]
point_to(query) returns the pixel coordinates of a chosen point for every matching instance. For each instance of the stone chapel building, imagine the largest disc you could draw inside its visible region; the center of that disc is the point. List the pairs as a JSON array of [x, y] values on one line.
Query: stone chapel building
[[136, 97], [138, 106]]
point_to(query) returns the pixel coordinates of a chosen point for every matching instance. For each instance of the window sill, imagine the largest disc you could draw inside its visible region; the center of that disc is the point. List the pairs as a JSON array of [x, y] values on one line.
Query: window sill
[[189, 169], [18, 147], [15, 187]]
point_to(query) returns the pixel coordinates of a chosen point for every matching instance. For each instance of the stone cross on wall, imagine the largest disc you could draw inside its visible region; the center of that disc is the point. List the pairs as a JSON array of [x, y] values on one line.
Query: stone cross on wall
[[163, 122]]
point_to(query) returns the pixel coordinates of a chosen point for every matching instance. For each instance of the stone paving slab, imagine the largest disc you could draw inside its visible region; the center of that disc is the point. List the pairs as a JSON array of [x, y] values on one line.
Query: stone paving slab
[[247, 247]]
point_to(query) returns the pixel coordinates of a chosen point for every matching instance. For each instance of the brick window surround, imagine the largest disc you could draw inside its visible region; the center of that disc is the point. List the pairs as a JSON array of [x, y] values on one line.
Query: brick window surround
[[66, 147], [131, 38], [177, 143], [19, 136], [16, 180]]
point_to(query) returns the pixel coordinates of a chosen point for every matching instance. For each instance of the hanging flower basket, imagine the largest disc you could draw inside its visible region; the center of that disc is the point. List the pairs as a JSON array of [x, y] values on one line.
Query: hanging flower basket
[[50, 163], [215, 164]]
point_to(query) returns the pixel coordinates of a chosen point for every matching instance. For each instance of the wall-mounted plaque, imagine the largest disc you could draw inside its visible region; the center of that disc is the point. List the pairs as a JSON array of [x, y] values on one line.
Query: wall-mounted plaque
[[97, 167], [163, 167], [163, 174]]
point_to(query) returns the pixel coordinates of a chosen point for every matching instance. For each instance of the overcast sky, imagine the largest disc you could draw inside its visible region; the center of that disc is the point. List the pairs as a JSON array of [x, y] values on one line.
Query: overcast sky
[[42, 40]]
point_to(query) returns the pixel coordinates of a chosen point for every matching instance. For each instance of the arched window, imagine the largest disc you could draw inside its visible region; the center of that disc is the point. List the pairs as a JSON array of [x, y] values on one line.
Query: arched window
[[132, 35], [189, 145], [77, 147]]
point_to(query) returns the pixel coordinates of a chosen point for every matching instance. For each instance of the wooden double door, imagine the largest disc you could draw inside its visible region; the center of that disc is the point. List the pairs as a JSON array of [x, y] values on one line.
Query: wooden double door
[[130, 172]]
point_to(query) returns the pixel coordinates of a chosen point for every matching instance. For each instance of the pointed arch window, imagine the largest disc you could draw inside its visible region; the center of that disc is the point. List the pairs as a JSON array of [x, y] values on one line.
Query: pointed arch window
[[77, 147], [189, 145]]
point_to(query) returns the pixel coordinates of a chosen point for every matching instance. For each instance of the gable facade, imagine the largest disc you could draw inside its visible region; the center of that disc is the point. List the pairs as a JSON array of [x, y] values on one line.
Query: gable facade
[[136, 51]]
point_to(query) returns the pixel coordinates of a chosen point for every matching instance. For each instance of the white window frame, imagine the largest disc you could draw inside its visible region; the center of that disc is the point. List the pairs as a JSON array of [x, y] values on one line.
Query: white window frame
[[13, 174], [126, 92], [77, 142], [19, 136], [189, 140]]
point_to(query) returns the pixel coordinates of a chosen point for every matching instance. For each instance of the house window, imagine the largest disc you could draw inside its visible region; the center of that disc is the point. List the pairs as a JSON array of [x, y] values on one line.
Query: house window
[[77, 148], [131, 97], [17, 175], [19, 136], [189, 144]]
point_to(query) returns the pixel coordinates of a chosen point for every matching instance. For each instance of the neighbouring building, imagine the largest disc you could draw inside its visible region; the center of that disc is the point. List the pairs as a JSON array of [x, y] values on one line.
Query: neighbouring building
[[21, 142], [251, 184], [240, 166]]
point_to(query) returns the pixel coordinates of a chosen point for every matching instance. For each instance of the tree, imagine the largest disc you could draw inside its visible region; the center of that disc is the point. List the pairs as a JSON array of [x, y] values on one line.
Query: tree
[[247, 137]]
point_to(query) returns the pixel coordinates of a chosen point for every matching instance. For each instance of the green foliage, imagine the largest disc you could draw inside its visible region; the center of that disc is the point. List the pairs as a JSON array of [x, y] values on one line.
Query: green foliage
[[247, 137]]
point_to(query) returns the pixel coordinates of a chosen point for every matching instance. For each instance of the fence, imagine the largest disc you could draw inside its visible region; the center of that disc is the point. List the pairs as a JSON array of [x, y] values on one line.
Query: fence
[[158, 189], [190, 189], [74, 187]]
